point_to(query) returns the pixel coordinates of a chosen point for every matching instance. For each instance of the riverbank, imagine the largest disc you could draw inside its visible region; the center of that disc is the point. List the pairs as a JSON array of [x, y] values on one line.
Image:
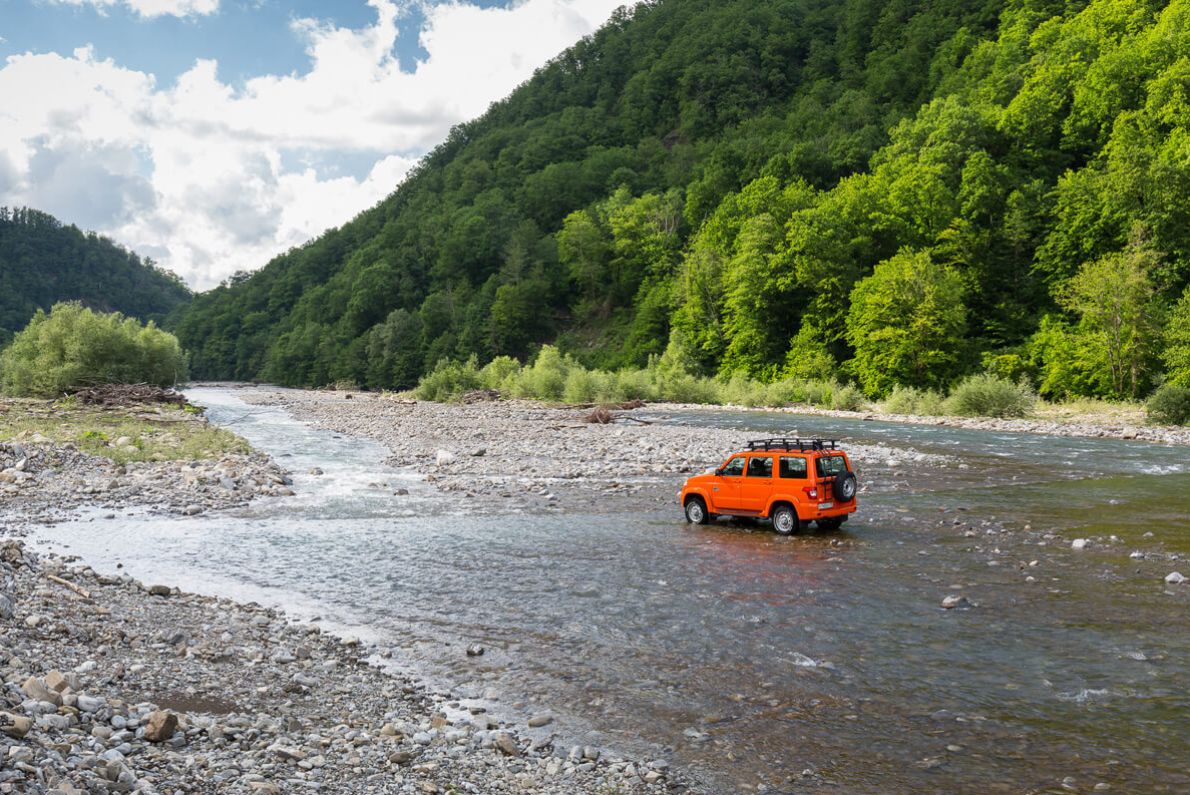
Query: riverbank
[[523, 455], [59, 456], [119, 686], [1107, 421]]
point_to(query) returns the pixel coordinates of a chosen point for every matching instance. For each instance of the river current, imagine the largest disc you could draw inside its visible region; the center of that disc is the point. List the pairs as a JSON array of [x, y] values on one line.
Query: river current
[[820, 661]]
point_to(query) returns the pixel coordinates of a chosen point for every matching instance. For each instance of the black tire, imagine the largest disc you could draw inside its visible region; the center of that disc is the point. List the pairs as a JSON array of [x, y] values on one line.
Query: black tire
[[785, 520], [844, 487], [830, 524], [696, 511]]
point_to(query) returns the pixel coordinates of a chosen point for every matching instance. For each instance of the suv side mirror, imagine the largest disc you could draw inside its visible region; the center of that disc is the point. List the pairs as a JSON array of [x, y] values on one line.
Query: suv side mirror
[[719, 472]]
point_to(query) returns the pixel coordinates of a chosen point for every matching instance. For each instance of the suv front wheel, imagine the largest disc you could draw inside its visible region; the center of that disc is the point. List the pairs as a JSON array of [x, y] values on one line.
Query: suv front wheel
[[696, 511], [785, 520]]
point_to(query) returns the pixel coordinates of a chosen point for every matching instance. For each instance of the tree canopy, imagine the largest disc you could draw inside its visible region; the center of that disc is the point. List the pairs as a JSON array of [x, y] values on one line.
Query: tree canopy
[[750, 181], [43, 261]]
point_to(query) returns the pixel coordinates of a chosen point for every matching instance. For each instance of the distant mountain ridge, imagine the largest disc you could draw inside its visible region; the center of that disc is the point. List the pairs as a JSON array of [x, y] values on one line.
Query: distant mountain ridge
[[43, 261]]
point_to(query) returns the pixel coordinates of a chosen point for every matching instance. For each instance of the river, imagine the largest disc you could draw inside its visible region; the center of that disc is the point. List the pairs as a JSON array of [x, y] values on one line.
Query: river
[[820, 661]]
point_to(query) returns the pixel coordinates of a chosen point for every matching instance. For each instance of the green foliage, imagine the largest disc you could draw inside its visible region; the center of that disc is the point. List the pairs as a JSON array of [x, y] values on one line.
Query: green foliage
[[448, 380], [985, 395], [1170, 405], [1177, 342], [1119, 317], [911, 190], [73, 347], [906, 324], [909, 400], [43, 262]]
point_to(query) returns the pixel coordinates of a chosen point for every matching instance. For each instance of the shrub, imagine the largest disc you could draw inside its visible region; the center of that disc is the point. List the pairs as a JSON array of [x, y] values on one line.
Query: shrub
[[1170, 405], [848, 398], [73, 347], [545, 379], [448, 380], [908, 400], [987, 395], [499, 373]]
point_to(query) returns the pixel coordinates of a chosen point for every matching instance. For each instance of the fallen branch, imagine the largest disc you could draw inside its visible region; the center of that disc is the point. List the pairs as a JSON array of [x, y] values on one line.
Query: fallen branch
[[83, 592]]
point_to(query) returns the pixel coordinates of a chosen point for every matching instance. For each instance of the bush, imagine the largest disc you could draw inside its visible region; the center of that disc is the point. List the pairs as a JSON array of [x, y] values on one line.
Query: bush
[[987, 395], [499, 373], [848, 398], [545, 379], [73, 347], [448, 380], [1170, 405], [921, 402]]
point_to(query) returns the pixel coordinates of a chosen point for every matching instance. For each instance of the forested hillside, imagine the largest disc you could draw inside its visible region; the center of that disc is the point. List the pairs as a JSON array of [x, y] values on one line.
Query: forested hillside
[[43, 262], [893, 192]]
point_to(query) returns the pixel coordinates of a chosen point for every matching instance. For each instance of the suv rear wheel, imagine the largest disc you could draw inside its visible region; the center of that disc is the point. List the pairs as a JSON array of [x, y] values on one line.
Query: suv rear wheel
[[696, 511], [785, 520]]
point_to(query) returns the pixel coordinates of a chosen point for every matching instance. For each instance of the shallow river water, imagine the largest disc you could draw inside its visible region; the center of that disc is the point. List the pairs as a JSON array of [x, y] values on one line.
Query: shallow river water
[[821, 661]]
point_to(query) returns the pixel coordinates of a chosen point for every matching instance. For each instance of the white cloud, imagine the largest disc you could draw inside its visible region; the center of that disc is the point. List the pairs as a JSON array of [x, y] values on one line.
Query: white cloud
[[197, 175], [152, 8]]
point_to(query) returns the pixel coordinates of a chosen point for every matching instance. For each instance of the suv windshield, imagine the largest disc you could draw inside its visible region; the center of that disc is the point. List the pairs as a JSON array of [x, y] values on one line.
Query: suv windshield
[[830, 465]]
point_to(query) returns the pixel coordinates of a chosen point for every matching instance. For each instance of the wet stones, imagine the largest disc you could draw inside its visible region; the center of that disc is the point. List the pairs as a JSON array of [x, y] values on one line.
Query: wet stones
[[955, 601], [1174, 578]]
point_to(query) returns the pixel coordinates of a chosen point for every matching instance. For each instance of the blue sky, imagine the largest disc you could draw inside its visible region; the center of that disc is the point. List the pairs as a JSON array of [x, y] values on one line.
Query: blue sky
[[213, 134]]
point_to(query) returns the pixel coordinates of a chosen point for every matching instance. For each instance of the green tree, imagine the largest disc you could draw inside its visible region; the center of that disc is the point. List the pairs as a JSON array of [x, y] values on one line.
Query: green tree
[[906, 324], [73, 347], [1177, 342], [1118, 312]]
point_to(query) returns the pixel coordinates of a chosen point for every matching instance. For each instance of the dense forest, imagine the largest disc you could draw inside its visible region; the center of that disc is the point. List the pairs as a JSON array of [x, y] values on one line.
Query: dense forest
[[895, 193], [43, 262]]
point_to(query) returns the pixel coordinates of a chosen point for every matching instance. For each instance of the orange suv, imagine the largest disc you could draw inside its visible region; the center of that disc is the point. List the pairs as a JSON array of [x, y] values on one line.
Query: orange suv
[[791, 481]]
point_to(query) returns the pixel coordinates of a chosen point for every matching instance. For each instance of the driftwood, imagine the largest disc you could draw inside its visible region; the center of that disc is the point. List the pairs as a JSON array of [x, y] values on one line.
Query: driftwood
[[600, 415], [479, 396], [128, 395], [83, 592]]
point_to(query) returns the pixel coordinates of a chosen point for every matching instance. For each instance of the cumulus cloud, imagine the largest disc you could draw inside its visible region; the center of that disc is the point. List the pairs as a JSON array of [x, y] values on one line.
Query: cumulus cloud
[[203, 172], [152, 8]]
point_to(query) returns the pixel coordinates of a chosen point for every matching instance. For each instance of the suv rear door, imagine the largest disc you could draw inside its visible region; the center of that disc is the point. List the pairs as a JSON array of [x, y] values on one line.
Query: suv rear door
[[757, 484]]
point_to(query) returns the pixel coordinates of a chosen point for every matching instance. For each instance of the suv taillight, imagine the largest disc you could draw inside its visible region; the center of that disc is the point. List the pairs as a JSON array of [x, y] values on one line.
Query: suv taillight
[[811, 491]]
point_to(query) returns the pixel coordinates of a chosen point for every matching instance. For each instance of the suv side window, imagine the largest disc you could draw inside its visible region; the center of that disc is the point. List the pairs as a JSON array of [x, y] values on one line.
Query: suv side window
[[760, 466], [830, 465], [793, 467], [733, 468]]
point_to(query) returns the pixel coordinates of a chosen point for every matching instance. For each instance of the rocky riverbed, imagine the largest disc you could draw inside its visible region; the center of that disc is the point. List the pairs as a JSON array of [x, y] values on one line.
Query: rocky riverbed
[[41, 480], [519, 455], [116, 686]]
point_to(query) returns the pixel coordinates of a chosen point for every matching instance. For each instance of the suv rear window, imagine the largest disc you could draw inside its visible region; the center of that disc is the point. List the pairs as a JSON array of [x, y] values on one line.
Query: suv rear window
[[829, 465], [793, 467]]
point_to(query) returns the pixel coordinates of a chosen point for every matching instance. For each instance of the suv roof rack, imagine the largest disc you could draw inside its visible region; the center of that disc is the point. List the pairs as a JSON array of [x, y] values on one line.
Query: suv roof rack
[[785, 443]]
